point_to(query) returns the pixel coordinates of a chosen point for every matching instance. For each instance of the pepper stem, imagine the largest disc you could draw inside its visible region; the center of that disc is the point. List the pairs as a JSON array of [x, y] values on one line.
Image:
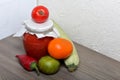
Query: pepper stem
[[37, 2], [34, 67]]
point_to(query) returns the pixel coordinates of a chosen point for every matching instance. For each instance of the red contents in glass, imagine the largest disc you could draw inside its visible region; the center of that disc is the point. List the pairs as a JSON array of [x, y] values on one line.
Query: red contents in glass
[[36, 47]]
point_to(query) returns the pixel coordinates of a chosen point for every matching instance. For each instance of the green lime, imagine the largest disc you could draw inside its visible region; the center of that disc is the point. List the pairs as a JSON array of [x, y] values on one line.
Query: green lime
[[48, 65]]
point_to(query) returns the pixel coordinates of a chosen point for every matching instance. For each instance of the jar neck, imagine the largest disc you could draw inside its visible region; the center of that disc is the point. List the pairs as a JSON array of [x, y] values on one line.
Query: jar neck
[[44, 32], [38, 28]]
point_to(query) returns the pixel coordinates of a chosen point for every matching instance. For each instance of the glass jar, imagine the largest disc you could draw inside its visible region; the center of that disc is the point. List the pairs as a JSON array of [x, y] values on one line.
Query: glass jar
[[37, 37]]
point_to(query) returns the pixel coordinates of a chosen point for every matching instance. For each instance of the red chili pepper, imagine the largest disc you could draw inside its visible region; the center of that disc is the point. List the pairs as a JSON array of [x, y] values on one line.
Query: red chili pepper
[[28, 62]]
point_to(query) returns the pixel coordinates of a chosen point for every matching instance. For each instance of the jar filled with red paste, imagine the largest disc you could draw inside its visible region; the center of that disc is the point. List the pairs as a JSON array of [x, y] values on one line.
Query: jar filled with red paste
[[37, 37]]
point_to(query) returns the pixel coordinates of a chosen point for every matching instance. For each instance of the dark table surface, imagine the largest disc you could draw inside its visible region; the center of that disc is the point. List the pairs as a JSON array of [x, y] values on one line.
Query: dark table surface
[[93, 65]]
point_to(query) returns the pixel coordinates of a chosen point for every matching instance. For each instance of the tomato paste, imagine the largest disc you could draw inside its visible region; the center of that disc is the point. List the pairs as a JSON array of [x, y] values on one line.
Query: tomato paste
[[36, 47]]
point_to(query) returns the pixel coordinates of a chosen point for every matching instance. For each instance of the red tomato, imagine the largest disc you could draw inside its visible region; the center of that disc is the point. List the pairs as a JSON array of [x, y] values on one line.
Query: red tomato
[[40, 14]]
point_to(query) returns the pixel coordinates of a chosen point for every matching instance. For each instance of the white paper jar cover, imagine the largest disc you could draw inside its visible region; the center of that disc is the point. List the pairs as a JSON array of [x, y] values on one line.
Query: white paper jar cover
[[40, 29]]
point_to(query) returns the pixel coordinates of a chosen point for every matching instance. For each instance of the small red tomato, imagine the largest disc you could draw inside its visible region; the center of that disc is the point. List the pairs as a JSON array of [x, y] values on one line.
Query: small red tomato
[[40, 14]]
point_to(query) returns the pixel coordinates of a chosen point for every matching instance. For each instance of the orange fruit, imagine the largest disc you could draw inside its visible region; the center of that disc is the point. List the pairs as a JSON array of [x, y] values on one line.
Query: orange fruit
[[60, 48]]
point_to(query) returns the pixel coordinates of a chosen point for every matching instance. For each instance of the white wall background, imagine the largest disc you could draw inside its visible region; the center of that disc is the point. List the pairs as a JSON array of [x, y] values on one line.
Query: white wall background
[[12, 14], [92, 23]]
